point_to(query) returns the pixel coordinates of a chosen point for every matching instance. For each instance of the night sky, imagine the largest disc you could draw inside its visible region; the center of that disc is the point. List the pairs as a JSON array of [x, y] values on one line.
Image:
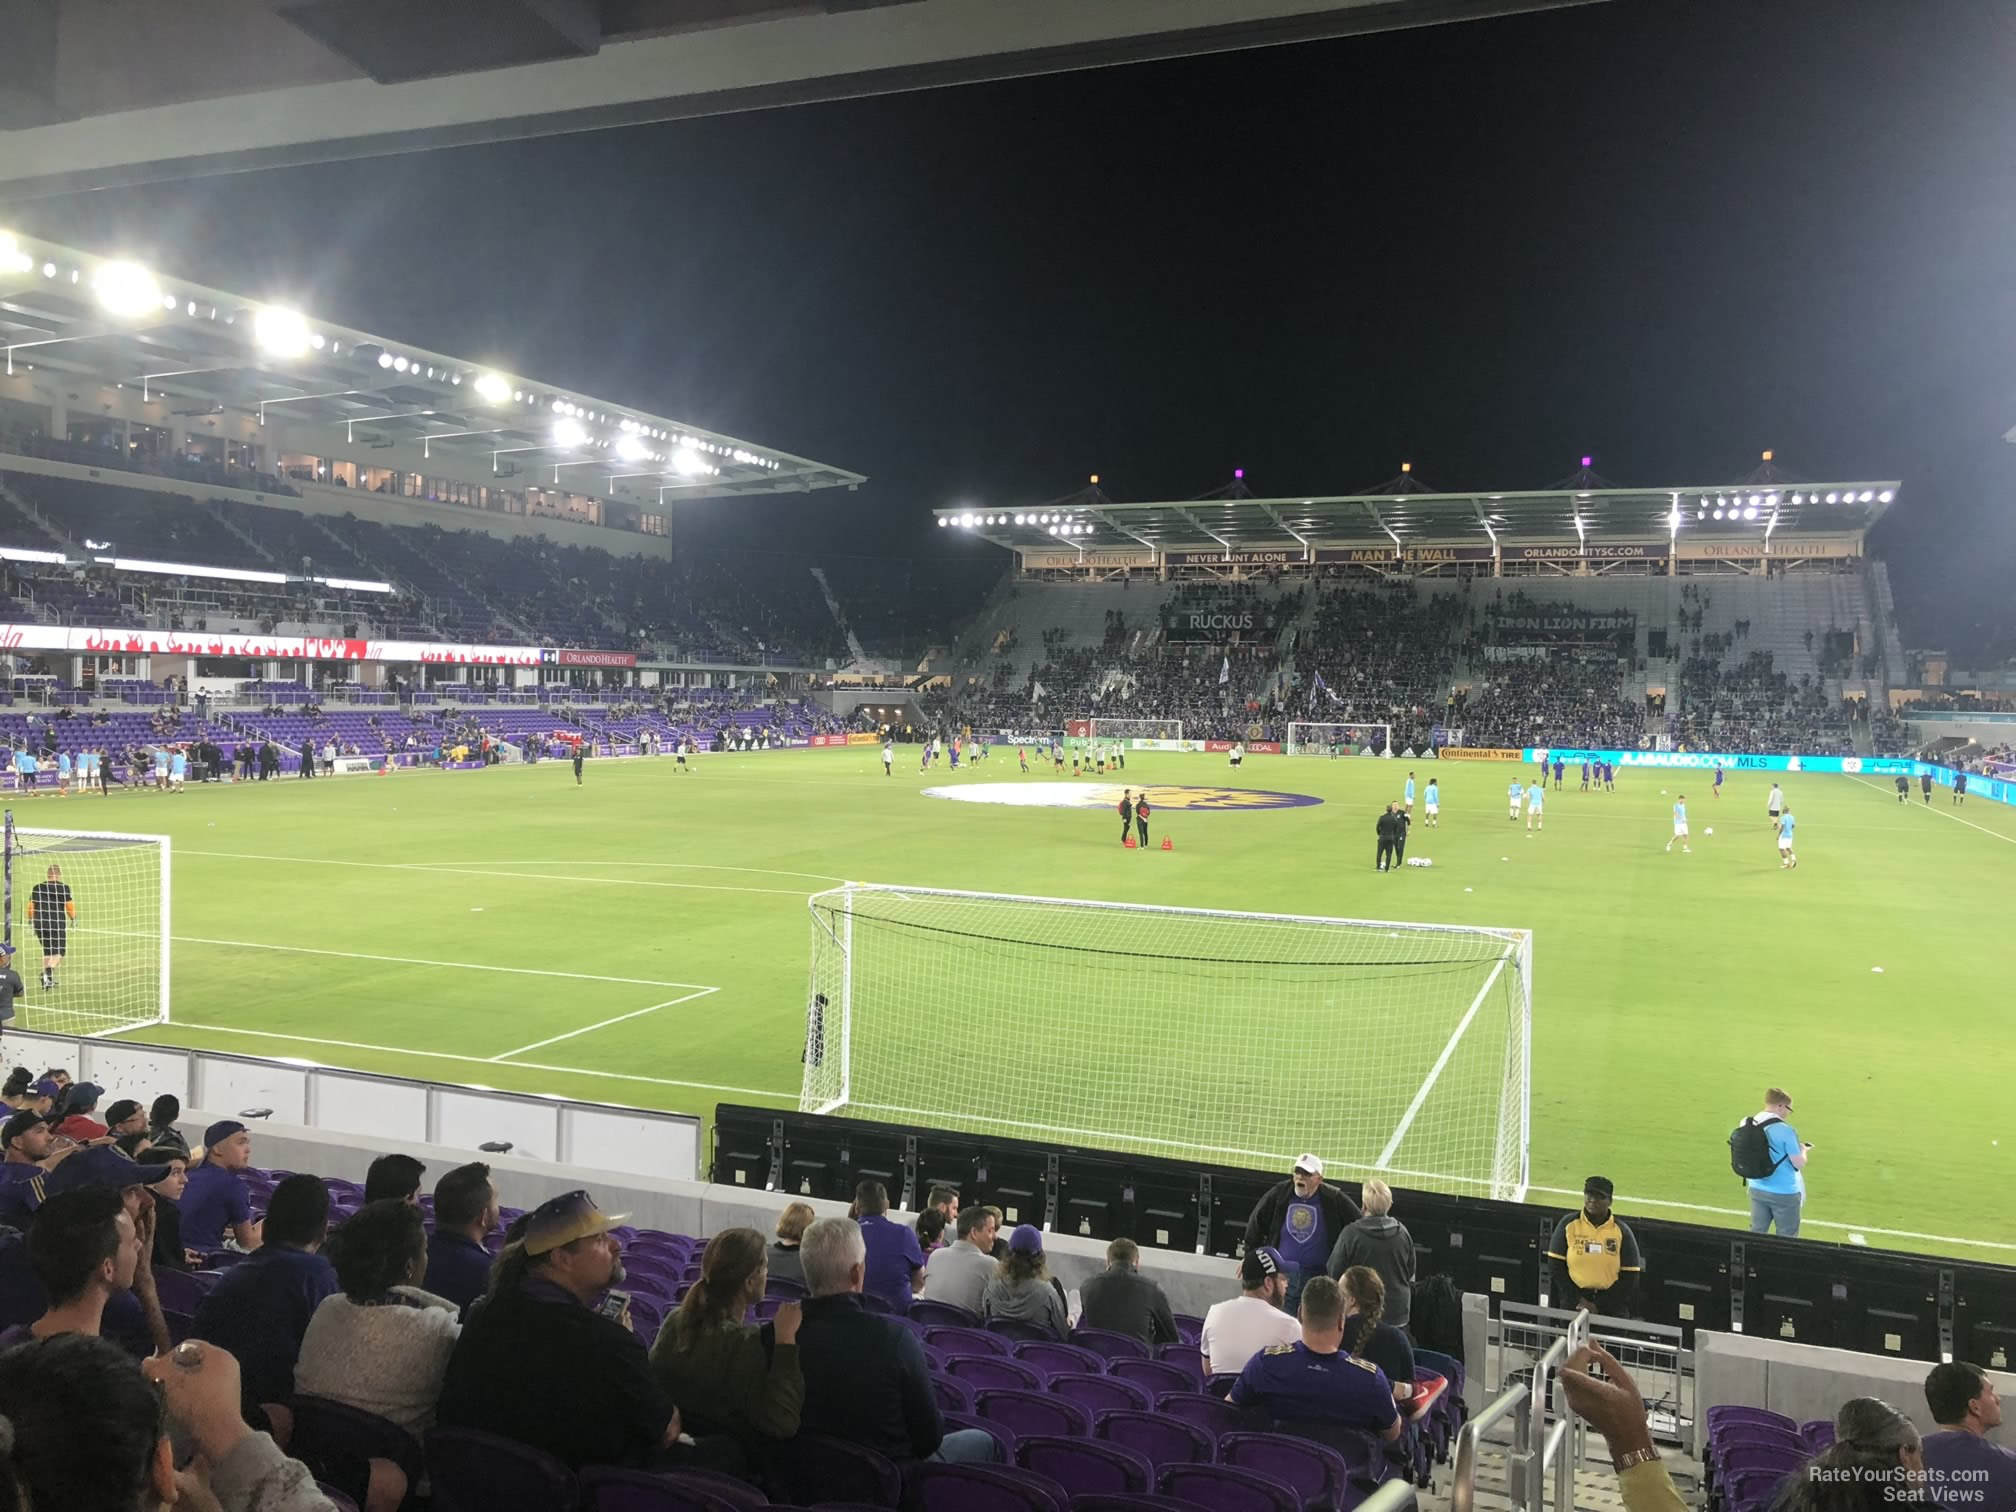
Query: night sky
[[1666, 232]]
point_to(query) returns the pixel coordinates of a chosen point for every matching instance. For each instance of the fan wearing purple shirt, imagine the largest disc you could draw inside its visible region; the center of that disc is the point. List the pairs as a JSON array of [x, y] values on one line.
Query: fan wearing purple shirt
[[1963, 1467], [1315, 1381], [1301, 1218], [895, 1258]]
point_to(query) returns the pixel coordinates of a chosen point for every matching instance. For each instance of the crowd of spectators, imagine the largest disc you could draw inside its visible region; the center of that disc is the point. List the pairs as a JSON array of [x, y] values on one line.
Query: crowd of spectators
[[1565, 697]]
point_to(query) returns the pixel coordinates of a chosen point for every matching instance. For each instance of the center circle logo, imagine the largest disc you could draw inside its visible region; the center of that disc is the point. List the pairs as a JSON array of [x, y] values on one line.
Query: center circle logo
[[1104, 795]]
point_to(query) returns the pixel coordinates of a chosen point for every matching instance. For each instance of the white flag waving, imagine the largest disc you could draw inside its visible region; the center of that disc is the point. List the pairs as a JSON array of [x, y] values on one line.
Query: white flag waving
[[1036, 693], [1225, 670]]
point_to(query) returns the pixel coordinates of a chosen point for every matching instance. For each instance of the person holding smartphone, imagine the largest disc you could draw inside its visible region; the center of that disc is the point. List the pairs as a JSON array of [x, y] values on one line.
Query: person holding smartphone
[[1777, 1198]]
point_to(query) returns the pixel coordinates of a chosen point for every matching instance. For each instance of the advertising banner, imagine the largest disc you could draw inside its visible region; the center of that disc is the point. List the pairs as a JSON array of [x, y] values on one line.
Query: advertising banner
[[567, 658], [1591, 551], [1078, 728], [1783, 549], [1253, 747], [1480, 753], [829, 740], [861, 737], [1214, 624], [1221, 558], [353, 766], [1412, 556], [1853, 766], [1039, 561], [91, 641], [1142, 743]]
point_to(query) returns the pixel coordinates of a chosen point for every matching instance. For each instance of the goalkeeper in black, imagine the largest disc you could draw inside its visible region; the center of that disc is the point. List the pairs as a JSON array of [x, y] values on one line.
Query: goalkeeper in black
[[51, 910]]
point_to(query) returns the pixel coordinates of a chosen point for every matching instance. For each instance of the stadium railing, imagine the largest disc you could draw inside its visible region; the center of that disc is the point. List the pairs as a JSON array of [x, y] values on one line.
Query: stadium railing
[[1697, 1277]]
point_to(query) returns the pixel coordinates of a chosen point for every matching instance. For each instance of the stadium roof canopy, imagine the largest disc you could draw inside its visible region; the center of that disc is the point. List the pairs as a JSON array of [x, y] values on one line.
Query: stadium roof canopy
[[1234, 521], [106, 322], [96, 93]]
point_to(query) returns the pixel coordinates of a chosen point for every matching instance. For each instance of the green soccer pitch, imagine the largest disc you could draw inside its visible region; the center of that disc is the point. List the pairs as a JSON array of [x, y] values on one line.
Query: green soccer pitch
[[644, 939]]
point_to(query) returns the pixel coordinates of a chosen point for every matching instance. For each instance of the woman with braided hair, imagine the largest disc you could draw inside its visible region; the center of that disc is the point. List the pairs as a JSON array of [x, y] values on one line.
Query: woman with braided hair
[[1369, 1338]]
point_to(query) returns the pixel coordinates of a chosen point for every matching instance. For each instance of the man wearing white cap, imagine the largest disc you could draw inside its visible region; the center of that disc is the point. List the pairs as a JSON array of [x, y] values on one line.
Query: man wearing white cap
[[1300, 1218]]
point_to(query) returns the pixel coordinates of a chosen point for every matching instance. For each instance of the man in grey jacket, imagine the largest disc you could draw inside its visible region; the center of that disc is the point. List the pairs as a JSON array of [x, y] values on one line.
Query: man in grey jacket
[[959, 1273], [1123, 1300], [1380, 1241]]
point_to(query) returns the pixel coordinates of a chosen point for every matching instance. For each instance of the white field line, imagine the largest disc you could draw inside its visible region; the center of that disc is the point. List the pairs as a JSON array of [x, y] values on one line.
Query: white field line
[[1944, 812], [478, 1060], [355, 955], [1804, 1223], [441, 869], [1435, 1071], [620, 1018]]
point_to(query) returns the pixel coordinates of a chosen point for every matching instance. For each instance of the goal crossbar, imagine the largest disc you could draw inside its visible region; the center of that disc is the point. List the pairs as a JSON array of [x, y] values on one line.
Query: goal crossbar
[[1172, 1030]]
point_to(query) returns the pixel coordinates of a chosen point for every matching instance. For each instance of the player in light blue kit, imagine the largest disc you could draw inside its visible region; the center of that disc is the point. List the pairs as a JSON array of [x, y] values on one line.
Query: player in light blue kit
[[1410, 792], [1513, 794], [178, 767], [1787, 858], [1680, 825], [1536, 795], [1434, 804], [161, 768], [63, 774]]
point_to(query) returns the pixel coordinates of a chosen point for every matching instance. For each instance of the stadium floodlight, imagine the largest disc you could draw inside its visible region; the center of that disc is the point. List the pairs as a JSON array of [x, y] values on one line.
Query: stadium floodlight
[[569, 433], [1833, 498], [281, 332], [1750, 512], [12, 258], [1886, 496], [1718, 514], [689, 462], [632, 448], [491, 386], [400, 364], [941, 522], [1868, 496], [125, 289]]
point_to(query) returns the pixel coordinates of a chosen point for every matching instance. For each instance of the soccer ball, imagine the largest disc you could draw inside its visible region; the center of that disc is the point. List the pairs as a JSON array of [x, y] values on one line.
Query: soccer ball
[[1709, 831]]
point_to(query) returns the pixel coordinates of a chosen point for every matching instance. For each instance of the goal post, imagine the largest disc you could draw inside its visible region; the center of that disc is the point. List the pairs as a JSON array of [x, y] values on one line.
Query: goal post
[[1397, 1049], [1102, 728], [1337, 738], [92, 909]]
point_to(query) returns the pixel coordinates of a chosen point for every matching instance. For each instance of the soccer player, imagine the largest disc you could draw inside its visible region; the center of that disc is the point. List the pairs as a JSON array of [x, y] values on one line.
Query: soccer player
[[679, 750], [1536, 796], [1141, 818], [51, 910], [955, 753], [178, 767], [1434, 802], [1775, 804], [63, 774], [1560, 766], [579, 751], [1925, 785], [1120, 755], [1609, 776], [888, 758], [1126, 814], [24, 771], [1585, 776], [161, 768], [1680, 825], [1513, 795], [1903, 788], [1057, 755], [1410, 792], [1022, 753], [1717, 793], [1787, 858], [1099, 759], [1074, 763], [1959, 787], [1238, 754]]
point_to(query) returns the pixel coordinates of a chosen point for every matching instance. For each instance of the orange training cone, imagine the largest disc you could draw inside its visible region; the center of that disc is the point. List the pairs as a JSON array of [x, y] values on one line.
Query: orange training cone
[[1129, 843], [1167, 843]]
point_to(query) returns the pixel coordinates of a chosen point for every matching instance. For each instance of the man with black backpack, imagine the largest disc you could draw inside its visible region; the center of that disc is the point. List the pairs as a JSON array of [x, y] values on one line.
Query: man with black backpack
[[1766, 1152]]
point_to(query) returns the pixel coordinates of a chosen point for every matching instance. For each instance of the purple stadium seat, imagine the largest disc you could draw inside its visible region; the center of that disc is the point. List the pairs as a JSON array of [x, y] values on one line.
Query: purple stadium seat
[[1161, 1439], [1156, 1376], [1114, 1346], [1316, 1474], [983, 1488], [1101, 1393], [1052, 1358], [179, 1324], [1003, 1436], [179, 1291], [1104, 1502], [1818, 1434], [949, 1314], [1370, 1460], [813, 1466], [1228, 1490], [337, 1442], [481, 1472], [1028, 1413], [1082, 1466], [1727, 1416], [1185, 1357], [953, 1394], [1189, 1328], [605, 1488], [970, 1341], [784, 1286], [994, 1373], [1757, 1459], [1206, 1412], [870, 1302], [1015, 1328]]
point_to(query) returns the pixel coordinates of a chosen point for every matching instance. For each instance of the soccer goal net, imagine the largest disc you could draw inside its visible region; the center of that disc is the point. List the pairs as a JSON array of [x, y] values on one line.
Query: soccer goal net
[[1232, 1038], [1311, 738], [1134, 729], [87, 915]]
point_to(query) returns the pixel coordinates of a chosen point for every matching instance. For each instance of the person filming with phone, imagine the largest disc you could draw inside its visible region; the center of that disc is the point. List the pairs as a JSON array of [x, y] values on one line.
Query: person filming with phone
[[1766, 1151]]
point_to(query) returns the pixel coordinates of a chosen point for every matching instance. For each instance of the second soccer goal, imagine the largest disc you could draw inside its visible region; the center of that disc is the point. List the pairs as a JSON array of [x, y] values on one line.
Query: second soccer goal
[[87, 914], [1393, 1049]]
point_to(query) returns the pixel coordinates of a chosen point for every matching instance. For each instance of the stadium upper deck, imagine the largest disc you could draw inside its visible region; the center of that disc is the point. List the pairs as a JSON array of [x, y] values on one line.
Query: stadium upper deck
[[1585, 523], [115, 364]]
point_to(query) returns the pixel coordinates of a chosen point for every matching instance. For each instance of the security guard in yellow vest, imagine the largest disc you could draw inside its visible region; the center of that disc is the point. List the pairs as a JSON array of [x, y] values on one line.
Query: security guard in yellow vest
[[1593, 1259]]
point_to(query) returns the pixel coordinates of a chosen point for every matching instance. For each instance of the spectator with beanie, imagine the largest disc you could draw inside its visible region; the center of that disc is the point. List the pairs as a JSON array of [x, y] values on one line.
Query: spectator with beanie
[[393, 1178], [1381, 1241], [1960, 1460], [88, 1430], [1023, 1290], [1301, 1218], [895, 1258], [161, 1131], [1592, 1259], [959, 1273], [465, 1213], [866, 1379], [740, 1378], [542, 1323], [261, 1307], [84, 1250], [791, 1225], [78, 1124], [1122, 1300], [1313, 1379], [381, 1344], [216, 1197], [1238, 1329], [28, 1152]]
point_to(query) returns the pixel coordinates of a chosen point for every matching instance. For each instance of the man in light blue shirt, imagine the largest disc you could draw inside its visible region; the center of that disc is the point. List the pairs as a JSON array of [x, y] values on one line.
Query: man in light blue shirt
[[1513, 795], [1787, 858], [1777, 1198], [1410, 792], [1536, 798], [1680, 825]]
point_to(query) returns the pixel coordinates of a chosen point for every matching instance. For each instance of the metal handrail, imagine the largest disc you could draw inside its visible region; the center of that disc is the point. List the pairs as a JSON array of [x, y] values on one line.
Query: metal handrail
[[1394, 1496], [1535, 1446]]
